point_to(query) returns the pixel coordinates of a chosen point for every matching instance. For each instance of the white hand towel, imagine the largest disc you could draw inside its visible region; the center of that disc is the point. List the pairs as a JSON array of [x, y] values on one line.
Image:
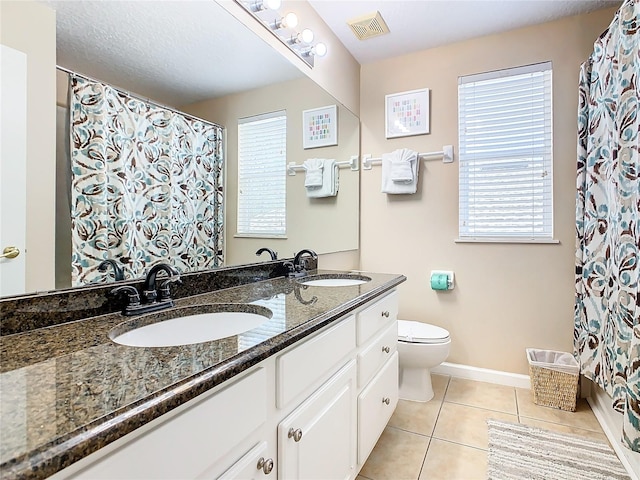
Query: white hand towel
[[402, 165], [329, 182], [391, 187], [313, 172]]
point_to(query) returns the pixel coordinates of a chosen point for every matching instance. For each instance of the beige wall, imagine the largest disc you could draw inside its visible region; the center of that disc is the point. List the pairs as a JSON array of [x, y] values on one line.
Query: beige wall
[[338, 72], [507, 296], [324, 224], [30, 28]]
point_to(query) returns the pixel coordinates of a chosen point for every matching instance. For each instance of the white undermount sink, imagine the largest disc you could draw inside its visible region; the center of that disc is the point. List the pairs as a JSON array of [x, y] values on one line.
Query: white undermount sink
[[334, 280], [189, 325]]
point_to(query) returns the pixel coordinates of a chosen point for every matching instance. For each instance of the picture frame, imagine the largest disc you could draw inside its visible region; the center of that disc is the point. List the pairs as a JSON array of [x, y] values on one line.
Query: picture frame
[[320, 127], [407, 113]]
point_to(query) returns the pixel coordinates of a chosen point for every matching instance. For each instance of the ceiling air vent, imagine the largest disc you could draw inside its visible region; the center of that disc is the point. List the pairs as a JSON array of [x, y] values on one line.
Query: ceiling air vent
[[368, 26]]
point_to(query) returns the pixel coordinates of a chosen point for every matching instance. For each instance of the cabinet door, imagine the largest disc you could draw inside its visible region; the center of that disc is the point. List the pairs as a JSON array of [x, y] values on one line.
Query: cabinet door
[[256, 464], [376, 404], [317, 440]]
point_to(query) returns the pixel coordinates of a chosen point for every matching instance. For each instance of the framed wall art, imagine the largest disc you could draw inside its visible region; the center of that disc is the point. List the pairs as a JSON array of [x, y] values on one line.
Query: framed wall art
[[407, 113], [320, 127]]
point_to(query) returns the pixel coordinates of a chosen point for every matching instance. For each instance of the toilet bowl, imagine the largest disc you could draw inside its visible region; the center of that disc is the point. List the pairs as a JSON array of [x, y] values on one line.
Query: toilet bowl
[[421, 347]]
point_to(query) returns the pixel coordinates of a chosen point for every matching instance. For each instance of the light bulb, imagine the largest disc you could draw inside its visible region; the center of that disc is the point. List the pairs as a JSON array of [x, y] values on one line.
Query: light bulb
[[306, 36], [272, 4], [290, 20], [320, 49]]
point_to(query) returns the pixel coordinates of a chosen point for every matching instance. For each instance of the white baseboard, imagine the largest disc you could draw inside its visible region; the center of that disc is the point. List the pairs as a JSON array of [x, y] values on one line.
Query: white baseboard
[[483, 375], [611, 423]]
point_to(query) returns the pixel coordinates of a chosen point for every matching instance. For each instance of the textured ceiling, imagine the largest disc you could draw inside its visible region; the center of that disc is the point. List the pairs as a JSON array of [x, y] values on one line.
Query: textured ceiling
[[175, 52], [420, 24]]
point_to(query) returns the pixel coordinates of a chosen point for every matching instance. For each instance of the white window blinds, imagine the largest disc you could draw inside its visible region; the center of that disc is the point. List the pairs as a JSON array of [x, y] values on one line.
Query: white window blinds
[[262, 154], [505, 122]]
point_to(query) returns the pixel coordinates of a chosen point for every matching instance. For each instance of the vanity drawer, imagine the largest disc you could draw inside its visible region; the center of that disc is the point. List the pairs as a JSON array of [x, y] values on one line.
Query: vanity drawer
[[312, 360], [373, 318], [373, 357], [373, 410]]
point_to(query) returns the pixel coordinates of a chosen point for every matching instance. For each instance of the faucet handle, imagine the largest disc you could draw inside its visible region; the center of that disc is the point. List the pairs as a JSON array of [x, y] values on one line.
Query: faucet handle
[[164, 290], [132, 294]]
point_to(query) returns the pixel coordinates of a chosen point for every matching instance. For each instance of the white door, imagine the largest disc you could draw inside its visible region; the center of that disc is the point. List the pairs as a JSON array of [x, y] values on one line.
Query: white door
[[13, 164]]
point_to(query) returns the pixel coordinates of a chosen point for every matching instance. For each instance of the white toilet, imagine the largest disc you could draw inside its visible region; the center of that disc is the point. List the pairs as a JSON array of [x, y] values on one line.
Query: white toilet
[[420, 348]]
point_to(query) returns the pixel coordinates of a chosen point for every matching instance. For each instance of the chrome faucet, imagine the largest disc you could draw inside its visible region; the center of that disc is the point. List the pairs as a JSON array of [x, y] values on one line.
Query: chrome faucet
[[274, 255], [150, 301], [118, 271]]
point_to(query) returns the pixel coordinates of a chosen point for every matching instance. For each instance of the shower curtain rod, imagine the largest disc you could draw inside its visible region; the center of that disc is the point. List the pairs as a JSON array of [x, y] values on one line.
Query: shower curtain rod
[[138, 97]]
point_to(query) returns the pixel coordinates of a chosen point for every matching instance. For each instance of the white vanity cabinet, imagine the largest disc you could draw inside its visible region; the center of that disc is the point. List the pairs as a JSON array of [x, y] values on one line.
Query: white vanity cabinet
[[312, 411]]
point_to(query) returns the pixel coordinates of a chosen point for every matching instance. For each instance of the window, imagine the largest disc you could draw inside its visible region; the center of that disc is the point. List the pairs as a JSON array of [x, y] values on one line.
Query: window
[[262, 154], [505, 155]]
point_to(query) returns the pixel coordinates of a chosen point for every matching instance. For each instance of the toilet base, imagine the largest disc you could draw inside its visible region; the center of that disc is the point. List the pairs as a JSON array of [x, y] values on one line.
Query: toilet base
[[415, 384]]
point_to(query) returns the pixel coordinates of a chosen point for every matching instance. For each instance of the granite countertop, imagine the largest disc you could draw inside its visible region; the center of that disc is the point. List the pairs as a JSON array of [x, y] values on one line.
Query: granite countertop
[[68, 390]]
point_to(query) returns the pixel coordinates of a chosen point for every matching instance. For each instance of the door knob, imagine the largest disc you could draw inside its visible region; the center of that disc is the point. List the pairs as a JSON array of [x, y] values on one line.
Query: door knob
[[10, 252], [385, 313], [386, 400], [386, 349]]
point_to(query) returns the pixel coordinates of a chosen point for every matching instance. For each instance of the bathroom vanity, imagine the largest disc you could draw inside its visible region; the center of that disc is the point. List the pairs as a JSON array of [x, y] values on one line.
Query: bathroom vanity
[[306, 395]]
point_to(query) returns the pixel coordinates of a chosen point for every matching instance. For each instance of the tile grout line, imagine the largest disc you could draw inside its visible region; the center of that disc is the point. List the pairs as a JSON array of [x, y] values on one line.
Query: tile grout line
[[433, 430]]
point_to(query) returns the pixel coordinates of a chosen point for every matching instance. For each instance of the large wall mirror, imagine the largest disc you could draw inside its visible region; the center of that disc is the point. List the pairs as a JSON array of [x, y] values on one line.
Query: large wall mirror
[[197, 58]]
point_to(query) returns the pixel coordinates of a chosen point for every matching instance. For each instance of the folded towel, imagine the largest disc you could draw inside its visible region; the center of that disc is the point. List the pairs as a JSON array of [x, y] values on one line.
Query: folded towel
[[401, 172], [399, 187], [313, 174], [402, 162], [330, 181]]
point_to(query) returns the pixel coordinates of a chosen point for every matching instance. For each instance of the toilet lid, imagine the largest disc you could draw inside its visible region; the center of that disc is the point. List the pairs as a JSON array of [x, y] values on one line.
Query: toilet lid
[[418, 332]]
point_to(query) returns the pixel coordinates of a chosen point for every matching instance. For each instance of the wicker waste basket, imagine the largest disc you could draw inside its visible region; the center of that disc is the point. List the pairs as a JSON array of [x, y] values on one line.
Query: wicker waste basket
[[554, 378]]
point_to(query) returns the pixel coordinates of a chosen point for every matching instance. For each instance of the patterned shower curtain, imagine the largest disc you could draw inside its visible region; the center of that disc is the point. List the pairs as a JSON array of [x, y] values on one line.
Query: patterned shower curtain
[[607, 310], [147, 185]]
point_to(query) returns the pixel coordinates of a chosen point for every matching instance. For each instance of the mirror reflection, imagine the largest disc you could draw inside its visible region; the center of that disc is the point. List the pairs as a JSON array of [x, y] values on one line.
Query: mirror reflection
[[254, 81]]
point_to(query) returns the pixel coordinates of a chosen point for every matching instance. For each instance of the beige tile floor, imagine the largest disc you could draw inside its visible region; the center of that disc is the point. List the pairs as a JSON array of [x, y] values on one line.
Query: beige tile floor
[[446, 438]]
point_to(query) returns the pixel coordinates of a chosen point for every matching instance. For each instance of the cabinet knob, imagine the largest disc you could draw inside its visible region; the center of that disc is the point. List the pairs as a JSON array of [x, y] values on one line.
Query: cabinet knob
[[386, 349], [385, 313], [265, 465], [295, 434], [386, 400]]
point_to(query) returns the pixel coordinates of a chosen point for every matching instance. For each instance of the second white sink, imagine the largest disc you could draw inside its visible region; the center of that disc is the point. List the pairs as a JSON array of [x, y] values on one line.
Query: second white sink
[[190, 329]]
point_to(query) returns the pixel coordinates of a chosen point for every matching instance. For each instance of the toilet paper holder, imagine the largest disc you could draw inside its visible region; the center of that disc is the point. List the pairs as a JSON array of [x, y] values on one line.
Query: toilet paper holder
[[442, 280]]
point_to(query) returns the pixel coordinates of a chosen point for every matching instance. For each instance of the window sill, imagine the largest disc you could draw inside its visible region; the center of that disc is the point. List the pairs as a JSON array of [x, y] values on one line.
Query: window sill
[[551, 241], [258, 235]]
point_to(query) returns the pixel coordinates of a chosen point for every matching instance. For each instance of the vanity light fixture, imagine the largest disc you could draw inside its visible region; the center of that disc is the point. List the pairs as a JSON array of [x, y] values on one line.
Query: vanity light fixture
[[306, 36], [260, 5], [283, 27], [318, 50]]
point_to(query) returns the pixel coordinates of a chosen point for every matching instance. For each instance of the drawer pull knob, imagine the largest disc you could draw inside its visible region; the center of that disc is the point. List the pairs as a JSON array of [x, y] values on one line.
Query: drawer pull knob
[[265, 465], [295, 434], [385, 313], [386, 400], [386, 349]]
